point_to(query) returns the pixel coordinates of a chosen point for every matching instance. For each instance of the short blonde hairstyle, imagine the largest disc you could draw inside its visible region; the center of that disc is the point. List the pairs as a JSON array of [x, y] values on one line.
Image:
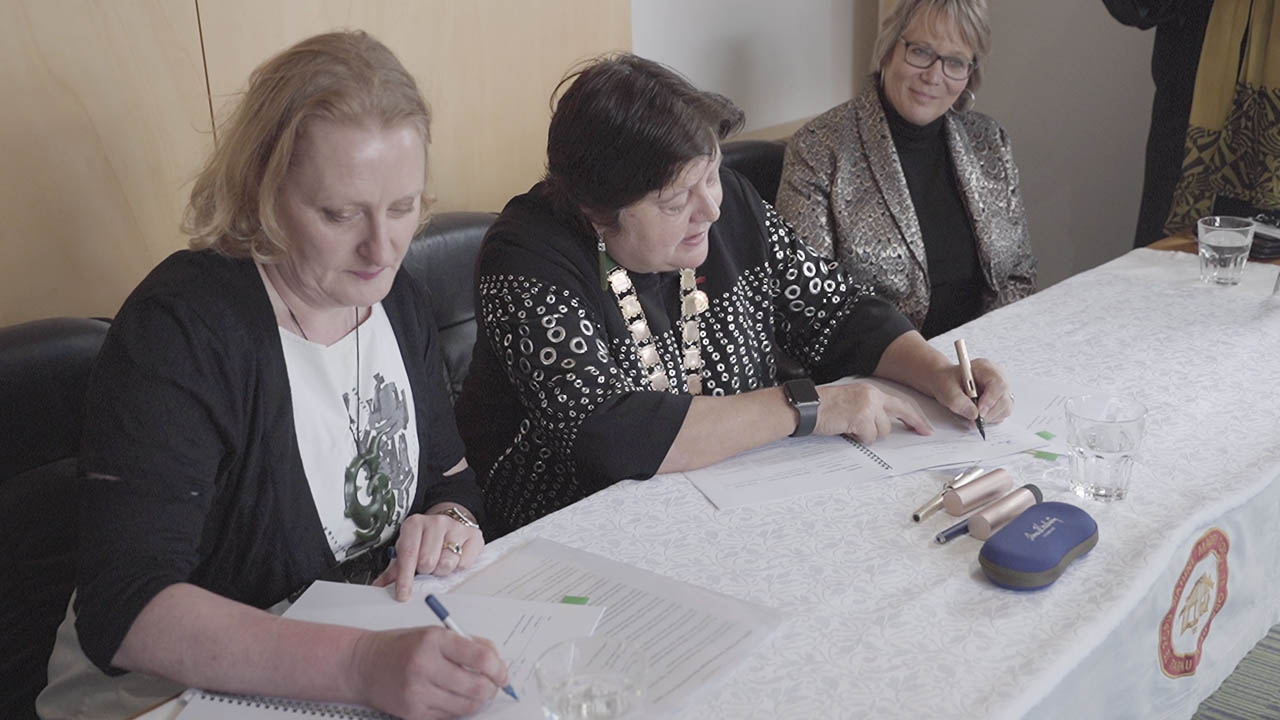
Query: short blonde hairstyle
[[968, 19], [345, 77]]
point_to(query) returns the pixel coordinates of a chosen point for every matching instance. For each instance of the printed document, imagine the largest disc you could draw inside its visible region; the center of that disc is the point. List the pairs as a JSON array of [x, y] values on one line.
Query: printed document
[[521, 630], [692, 637], [1041, 408], [795, 466]]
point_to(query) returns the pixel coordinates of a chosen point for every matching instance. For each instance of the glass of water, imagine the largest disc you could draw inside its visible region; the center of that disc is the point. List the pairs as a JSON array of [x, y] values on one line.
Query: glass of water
[[591, 678], [1104, 432], [1224, 247]]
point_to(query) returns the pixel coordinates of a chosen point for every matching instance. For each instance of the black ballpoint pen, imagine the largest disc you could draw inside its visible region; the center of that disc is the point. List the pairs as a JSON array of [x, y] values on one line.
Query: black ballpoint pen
[[970, 389]]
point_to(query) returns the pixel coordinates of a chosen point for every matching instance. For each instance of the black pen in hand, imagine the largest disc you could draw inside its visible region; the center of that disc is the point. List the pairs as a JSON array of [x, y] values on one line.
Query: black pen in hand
[[970, 389]]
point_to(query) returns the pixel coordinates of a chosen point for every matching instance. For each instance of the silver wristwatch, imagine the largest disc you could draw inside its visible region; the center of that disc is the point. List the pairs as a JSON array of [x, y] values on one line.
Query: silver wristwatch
[[803, 396]]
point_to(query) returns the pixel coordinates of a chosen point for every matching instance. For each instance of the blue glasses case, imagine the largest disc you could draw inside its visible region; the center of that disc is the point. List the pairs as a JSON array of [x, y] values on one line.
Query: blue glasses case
[[1036, 547]]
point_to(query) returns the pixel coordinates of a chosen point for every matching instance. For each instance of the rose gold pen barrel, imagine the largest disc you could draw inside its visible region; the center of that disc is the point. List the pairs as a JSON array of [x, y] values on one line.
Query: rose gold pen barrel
[[966, 370], [970, 387]]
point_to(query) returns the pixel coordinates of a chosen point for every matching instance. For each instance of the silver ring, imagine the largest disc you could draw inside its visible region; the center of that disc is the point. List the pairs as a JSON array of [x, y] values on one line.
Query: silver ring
[[453, 547]]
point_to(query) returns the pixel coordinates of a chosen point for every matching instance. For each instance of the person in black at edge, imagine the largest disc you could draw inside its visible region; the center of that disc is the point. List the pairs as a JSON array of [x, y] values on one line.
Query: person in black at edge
[[1175, 57]]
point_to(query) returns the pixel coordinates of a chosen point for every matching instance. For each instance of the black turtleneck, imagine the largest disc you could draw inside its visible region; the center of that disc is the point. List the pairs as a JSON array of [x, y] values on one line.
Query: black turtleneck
[[955, 276]]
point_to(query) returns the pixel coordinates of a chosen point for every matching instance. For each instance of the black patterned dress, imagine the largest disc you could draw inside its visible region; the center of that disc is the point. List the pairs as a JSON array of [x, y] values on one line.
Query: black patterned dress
[[556, 405]]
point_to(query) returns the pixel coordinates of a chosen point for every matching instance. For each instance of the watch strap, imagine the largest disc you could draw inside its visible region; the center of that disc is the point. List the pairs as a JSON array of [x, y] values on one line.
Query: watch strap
[[807, 409]]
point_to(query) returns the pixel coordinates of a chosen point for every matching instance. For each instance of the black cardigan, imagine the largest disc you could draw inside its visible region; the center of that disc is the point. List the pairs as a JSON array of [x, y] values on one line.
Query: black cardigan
[[189, 407]]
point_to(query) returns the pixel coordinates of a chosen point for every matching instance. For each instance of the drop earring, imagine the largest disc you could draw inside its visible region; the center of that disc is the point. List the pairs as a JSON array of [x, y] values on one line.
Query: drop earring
[[965, 102], [602, 262]]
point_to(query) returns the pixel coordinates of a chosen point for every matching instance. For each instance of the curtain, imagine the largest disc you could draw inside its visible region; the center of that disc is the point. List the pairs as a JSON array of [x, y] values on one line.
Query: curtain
[[1232, 149]]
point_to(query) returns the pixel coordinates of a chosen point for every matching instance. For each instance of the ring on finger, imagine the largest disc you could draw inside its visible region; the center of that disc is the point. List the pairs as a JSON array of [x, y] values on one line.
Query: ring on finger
[[453, 547]]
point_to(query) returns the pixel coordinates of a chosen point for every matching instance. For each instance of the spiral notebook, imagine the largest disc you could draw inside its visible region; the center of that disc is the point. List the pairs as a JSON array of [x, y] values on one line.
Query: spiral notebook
[[205, 704], [521, 629], [796, 466]]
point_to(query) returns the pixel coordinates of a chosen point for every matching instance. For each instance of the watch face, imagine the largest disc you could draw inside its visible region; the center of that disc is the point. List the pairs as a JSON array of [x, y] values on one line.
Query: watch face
[[801, 391]]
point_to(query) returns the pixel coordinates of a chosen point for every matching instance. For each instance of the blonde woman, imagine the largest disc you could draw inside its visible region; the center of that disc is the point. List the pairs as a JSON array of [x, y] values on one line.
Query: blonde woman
[[268, 409], [912, 191]]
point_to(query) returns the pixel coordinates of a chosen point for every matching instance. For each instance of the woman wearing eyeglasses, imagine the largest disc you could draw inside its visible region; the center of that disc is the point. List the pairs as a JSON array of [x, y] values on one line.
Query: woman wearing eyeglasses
[[914, 193]]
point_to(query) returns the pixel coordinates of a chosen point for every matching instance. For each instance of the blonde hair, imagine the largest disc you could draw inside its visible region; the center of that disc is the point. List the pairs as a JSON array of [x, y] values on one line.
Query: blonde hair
[[346, 77], [968, 18]]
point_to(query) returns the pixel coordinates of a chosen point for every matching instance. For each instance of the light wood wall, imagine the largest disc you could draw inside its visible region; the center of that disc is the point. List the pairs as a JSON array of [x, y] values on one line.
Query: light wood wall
[[110, 108], [105, 117]]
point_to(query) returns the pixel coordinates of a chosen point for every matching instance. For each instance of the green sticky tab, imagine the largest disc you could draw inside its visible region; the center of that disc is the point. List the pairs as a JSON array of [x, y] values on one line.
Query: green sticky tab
[[1042, 455], [573, 600], [1046, 434]]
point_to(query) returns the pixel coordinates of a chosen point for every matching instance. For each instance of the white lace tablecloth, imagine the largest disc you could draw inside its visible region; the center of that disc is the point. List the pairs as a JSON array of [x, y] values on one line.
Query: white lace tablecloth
[[882, 622]]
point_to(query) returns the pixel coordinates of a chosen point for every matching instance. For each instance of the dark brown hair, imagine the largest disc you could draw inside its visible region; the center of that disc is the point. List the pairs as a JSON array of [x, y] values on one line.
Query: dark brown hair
[[625, 127]]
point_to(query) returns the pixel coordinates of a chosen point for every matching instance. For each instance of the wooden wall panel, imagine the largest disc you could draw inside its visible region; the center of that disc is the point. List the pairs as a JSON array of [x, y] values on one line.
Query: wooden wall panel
[[106, 117], [486, 67]]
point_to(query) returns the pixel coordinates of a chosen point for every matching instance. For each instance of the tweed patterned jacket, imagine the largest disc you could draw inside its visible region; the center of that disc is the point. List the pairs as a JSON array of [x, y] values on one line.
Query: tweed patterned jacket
[[844, 192]]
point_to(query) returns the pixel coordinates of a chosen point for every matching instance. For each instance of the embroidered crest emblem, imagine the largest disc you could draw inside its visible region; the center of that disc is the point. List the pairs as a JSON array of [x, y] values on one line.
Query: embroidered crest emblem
[[1199, 594]]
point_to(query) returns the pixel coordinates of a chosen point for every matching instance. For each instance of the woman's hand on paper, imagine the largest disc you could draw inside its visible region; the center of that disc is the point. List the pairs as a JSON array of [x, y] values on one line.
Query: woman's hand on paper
[[994, 401], [430, 543], [865, 412], [427, 672]]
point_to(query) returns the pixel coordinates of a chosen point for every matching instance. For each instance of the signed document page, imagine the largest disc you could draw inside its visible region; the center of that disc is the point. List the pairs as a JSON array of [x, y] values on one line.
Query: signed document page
[[692, 637], [795, 466], [521, 630], [954, 440]]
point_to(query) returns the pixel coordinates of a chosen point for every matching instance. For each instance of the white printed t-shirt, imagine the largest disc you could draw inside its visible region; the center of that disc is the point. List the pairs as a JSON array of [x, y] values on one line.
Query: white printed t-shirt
[[361, 494]]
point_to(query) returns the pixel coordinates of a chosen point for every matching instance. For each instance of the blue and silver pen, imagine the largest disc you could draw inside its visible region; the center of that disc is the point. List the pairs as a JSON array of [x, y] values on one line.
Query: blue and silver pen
[[953, 532], [443, 614]]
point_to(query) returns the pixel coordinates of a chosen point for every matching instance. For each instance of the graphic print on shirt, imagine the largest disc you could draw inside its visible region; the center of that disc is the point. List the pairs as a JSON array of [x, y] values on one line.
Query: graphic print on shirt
[[358, 443], [376, 483]]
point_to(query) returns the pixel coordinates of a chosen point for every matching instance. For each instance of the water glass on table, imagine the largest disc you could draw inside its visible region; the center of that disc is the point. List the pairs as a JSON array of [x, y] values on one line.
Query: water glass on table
[[591, 678], [1104, 433], [1224, 244]]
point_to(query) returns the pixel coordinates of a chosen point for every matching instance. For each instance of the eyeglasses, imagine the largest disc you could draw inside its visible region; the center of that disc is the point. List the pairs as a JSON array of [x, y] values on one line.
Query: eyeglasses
[[922, 56]]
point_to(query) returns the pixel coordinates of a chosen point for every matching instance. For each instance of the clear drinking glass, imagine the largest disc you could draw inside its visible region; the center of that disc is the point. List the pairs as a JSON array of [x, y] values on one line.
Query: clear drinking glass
[[1105, 433], [591, 678], [1224, 244]]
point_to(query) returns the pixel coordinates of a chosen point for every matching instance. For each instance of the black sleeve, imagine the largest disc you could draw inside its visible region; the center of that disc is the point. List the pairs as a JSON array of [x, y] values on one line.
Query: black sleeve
[[440, 445], [831, 326], [156, 435], [557, 357]]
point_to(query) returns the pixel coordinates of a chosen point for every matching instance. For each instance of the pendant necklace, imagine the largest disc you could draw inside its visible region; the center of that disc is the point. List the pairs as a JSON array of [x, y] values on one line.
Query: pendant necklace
[[355, 428]]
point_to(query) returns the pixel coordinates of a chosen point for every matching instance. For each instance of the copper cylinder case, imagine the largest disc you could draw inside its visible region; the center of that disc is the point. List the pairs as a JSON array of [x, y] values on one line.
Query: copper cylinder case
[[991, 518], [966, 498]]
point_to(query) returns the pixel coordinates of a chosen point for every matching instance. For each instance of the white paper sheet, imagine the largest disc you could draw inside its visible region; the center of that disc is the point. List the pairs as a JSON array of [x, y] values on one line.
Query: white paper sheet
[[796, 466], [691, 636], [772, 472], [1041, 408], [954, 440], [522, 631]]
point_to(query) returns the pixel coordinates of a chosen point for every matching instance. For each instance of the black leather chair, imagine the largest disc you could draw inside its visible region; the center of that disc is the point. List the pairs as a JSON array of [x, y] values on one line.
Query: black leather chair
[[443, 258], [44, 371], [760, 161]]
